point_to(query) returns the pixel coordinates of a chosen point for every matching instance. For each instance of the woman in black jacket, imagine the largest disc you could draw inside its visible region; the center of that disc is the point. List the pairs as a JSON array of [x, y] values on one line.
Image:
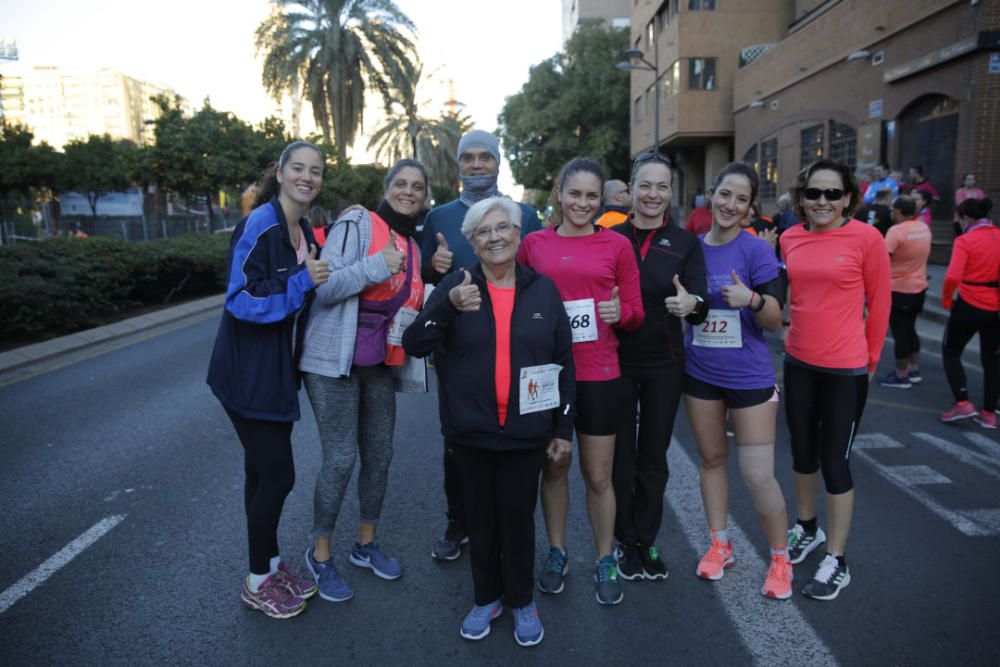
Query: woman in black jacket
[[505, 323], [671, 274]]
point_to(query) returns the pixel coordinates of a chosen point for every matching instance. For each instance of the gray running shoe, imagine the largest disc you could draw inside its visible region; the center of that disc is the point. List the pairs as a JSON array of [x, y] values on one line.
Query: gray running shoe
[[801, 543], [449, 547], [556, 567], [609, 589]]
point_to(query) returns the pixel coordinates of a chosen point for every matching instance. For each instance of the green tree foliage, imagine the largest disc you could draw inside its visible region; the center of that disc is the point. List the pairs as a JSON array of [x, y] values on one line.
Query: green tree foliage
[[330, 52], [408, 132], [25, 169], [573, 104], [96, 166]]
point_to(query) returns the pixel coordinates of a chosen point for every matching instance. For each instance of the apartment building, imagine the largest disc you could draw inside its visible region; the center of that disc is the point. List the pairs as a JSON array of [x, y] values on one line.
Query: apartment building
[[61, 104], [613, 13], [911, 83], [697, 46]]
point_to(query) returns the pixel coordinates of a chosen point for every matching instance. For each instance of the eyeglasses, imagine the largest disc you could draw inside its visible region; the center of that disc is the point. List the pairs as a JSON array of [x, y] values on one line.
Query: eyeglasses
[[651, 156], [484, 233], [831, 194]]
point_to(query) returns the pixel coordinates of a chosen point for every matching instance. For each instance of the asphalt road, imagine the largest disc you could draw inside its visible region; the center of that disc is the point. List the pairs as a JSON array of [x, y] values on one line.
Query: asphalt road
[[123, 541]]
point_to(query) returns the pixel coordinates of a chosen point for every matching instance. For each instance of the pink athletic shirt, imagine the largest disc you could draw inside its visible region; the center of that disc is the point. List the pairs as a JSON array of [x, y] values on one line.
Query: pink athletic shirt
[[589, 267], [833, 275]]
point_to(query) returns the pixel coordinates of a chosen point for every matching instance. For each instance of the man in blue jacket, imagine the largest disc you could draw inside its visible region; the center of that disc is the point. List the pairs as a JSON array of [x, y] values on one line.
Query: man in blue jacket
[[444, 249]]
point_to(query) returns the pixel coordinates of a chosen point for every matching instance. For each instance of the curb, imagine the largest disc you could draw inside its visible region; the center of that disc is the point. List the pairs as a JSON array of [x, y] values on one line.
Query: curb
[[55, 347]]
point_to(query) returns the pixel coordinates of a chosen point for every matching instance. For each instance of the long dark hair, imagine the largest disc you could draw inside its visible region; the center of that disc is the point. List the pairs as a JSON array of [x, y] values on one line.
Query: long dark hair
[[740, 169], [269, 185], [975, 208], [578, 164]]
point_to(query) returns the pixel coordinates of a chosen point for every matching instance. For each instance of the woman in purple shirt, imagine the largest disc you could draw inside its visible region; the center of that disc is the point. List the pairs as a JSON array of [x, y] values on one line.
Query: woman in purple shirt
[[728, 367]]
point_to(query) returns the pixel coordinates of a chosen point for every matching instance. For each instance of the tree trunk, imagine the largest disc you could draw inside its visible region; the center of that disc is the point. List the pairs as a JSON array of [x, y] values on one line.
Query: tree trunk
[[92, 200], [208, 201]]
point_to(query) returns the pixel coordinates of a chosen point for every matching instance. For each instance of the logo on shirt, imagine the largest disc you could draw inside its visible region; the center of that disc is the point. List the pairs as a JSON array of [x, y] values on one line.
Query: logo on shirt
[[567, 258], [840, 258], [537, 316], [665, 242]]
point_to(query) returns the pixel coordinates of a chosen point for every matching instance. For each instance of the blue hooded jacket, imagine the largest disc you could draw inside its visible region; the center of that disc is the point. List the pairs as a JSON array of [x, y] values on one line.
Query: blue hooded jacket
[[253, 370]]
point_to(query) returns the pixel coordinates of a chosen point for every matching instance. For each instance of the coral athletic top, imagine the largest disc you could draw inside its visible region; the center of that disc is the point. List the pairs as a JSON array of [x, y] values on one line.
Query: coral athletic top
[[502, 300], [384, 291], [974, 269], [909, 243], [589, 267], [833, 275]]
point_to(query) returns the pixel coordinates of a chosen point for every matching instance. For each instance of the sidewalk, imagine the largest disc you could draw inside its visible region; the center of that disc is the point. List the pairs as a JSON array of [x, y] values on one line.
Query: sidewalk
[[30, 354]]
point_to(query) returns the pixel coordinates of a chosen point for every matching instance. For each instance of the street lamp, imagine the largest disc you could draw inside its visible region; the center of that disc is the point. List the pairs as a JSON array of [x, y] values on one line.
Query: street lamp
[[654, 67]]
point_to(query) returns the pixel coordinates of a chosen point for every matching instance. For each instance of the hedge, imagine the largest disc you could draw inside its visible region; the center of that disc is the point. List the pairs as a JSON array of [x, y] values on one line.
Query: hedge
[[61, 285]]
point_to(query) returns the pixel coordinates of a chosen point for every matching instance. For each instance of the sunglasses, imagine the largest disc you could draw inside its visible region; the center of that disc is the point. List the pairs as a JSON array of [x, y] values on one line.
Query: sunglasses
[[651, 156], [831, 194]]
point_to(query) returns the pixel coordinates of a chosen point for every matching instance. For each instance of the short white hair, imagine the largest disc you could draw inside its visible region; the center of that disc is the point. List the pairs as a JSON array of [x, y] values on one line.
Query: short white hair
[[479, 210]]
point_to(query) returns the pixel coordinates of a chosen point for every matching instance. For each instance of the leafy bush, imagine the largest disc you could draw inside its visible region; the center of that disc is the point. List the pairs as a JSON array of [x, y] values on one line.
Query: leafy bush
[[62, 285]]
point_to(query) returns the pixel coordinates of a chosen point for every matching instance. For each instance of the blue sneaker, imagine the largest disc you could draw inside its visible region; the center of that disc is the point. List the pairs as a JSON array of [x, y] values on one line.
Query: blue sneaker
[[528, 629], [556, 566], [477, 623], [331, 585], [893, 380], [609, 590], [914, 377], [372, 557]]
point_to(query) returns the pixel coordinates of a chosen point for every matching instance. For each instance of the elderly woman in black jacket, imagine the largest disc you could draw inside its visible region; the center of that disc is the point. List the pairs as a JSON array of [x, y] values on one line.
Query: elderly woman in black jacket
[[503, 352]]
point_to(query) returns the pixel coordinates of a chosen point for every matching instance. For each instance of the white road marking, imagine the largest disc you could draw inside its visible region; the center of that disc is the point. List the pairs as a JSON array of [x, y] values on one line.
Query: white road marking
[[876, 441], [38, 576], [992, 448], [764, 625], [967, 456], [974, 523]]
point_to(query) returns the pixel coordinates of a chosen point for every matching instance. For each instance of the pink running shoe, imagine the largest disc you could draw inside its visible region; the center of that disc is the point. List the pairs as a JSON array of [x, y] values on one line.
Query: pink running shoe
[[961, 410], [778, 583], [297, 585], [272, 598], [986, 419], [719, 556]]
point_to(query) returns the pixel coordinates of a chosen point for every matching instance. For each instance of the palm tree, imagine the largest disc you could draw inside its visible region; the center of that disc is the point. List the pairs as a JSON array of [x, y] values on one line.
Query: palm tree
[[406, 132], [329, 52]]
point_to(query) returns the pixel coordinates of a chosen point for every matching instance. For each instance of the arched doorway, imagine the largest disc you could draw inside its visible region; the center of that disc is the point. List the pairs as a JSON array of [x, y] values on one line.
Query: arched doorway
[[928, 136]]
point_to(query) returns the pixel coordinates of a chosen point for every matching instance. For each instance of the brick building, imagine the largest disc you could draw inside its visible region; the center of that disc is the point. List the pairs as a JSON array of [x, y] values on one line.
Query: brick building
[[914, 82]]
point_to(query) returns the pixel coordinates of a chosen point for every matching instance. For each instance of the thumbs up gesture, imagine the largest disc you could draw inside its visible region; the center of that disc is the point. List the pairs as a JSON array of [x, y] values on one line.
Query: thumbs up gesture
[[395, 260], [610, 311], [737, 295], [441, 261], [319, 269], [682, 304], [465, 296]]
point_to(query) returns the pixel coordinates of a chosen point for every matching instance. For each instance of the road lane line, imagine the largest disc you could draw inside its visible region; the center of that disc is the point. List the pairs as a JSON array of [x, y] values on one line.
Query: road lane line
[[984, 443], [966, 456], [38, 576], [964, 521], [775, 633]]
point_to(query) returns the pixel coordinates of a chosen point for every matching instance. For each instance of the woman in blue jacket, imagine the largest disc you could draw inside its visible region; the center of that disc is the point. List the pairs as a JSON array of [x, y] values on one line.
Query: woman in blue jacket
[[273, 271], [503, 352]]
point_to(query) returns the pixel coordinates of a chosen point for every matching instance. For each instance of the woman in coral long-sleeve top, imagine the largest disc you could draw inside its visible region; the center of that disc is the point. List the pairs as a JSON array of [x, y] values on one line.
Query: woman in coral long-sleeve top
[[974, 271], [836, 268]]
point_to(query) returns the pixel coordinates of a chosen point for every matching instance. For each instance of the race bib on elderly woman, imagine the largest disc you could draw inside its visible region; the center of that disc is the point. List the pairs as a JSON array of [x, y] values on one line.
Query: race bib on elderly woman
[[539, 388]]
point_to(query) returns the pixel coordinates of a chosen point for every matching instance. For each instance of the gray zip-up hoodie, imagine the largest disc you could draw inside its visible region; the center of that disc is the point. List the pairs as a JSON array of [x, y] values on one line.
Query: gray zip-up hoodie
[[328, 348]]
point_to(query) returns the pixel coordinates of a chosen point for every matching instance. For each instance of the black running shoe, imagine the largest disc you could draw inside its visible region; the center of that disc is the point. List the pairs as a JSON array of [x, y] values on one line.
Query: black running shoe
[[653, 567], [801, 543], [829, 579], [629, 562], [449, 547]]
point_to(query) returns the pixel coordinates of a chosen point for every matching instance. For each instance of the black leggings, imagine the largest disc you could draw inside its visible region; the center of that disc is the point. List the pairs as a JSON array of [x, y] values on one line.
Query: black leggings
[[640, 464], [823, 411], [270, 476], [903, 322], [965, 322]]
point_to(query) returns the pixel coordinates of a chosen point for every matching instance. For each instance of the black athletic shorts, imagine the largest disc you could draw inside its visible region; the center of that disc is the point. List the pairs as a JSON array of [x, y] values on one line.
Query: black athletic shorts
[[598, 407], [734, 398]]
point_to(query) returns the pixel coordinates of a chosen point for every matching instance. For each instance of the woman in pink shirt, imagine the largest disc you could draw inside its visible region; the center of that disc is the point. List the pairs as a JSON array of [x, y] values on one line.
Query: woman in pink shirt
[[836, 267], [598, 279], [967, 191]]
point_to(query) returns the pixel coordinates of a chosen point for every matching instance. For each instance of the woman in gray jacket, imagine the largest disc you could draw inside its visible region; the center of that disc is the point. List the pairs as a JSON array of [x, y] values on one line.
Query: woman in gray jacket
[[352, 341]]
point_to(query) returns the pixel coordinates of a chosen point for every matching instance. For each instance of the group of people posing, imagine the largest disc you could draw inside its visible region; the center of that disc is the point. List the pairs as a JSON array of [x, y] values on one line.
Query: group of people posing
[[536, 334]]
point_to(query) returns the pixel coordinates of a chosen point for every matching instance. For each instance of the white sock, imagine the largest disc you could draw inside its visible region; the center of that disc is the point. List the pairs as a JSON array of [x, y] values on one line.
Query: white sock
[[255, 580], [722, 535], [274, 564]]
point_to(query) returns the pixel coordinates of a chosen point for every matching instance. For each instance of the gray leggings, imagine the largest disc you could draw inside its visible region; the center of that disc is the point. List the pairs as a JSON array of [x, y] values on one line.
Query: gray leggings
[[354, 414]]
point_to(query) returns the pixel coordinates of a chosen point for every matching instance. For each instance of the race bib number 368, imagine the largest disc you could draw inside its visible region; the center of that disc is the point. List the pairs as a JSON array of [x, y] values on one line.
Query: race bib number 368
[[582, 319]]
